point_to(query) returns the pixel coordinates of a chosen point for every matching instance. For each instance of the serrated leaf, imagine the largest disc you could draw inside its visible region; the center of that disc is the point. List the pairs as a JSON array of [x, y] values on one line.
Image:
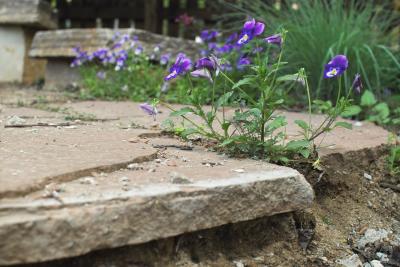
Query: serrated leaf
[[277, 123], [302, 124], [296, 145], [351, 111], [291, 78], [244, 81], [344, 124], [182, 112], [368, 99], [223, 100]]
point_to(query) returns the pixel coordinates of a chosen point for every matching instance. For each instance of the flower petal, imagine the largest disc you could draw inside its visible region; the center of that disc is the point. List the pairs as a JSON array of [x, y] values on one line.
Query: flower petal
[[249, 25], [258, 28], [202, 73]]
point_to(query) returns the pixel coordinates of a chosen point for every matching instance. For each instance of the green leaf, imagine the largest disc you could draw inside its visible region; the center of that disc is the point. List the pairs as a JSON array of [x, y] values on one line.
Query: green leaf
[[223, 100], [291, 78], [189, 131], [305, 153], [382, 109], [302, 124], [351, 111], [278, 122], [296, 145], [344, 124], [182, 112], [368, 99], [248, 80]]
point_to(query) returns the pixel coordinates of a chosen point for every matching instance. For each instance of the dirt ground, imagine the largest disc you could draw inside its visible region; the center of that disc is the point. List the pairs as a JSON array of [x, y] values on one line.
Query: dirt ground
[[354, 192]]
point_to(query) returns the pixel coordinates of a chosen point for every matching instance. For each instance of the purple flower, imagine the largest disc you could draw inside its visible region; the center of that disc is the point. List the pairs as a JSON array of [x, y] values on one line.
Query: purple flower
[[231, 38], [180, 67], [149, 109], [205, 63], [212, 46], [227, 67], [243, 62], [274, 39], [121, 59], [250, 29], [208, 35], [336, 66], [226, 48], [202, 73], [357, 83], [101, 75], [164, 59], [139, 50]]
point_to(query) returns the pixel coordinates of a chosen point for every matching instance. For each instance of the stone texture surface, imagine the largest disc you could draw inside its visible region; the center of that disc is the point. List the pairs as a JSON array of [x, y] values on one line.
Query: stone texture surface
[[363, 135], [59, 43], [32, 13], [69, 190]]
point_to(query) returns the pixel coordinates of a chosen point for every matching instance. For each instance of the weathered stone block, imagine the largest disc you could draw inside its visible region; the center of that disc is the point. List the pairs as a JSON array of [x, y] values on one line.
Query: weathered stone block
[[19, 20], [57, 47], [31, 13]]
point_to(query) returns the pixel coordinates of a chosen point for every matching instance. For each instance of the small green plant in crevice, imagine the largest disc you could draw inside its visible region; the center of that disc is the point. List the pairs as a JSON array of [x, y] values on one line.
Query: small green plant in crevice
[[393, 159], [373, 110], [255, 127]]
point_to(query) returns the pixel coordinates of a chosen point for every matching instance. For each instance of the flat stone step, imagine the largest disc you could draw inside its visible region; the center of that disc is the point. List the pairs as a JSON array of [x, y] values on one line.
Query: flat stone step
[[99, 184], [183, 191]]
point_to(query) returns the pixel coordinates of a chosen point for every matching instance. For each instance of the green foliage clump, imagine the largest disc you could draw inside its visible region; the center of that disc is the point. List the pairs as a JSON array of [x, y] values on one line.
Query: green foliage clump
[[320, 29]]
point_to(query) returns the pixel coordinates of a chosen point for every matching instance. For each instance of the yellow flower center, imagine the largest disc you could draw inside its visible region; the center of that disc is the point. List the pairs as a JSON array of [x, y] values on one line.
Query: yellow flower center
[[244, 39], [332, 73]]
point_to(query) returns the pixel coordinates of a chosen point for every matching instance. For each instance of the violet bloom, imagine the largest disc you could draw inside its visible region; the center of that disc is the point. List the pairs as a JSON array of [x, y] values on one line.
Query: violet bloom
[[336, 66], [202, 73], [208, 35], [232, 38], [164, 59], [180, 67], [243, 62], [139, 50], [250, 29], [357, 83], [149, 109], [274, 39], [205, 63]]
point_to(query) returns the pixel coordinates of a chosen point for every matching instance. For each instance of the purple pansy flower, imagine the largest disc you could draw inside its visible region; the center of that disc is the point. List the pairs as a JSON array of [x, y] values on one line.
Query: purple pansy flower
[[138, 50], [164, 59], [274, 39], [243, 62], [149, 109], [202, 73], [336, 66], [357, 83], [180, 67], [250, 29], [205, 63]]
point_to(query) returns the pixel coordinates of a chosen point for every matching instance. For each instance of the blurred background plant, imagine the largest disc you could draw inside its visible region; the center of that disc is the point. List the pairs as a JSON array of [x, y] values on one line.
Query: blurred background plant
[[320, 29]]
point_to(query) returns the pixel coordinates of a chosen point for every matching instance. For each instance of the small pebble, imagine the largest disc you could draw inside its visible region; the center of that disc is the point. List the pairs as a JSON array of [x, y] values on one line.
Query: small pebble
[[239, 170], [177, 178], [367, 176], [134, 167], [124, 179]]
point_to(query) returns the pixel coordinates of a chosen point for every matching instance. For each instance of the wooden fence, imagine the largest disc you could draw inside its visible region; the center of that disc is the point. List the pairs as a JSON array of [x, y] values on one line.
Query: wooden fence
[[158, 16]]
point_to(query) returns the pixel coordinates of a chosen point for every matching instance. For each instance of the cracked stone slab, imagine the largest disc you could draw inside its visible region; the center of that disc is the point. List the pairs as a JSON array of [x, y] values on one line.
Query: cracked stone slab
[[340, 140], [33, 157], [142, 203]]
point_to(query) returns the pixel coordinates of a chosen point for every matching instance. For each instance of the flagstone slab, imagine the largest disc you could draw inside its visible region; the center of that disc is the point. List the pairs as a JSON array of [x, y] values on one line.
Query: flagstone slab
[[137, 205], [67, 191], [30, 158], [363, 135]]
